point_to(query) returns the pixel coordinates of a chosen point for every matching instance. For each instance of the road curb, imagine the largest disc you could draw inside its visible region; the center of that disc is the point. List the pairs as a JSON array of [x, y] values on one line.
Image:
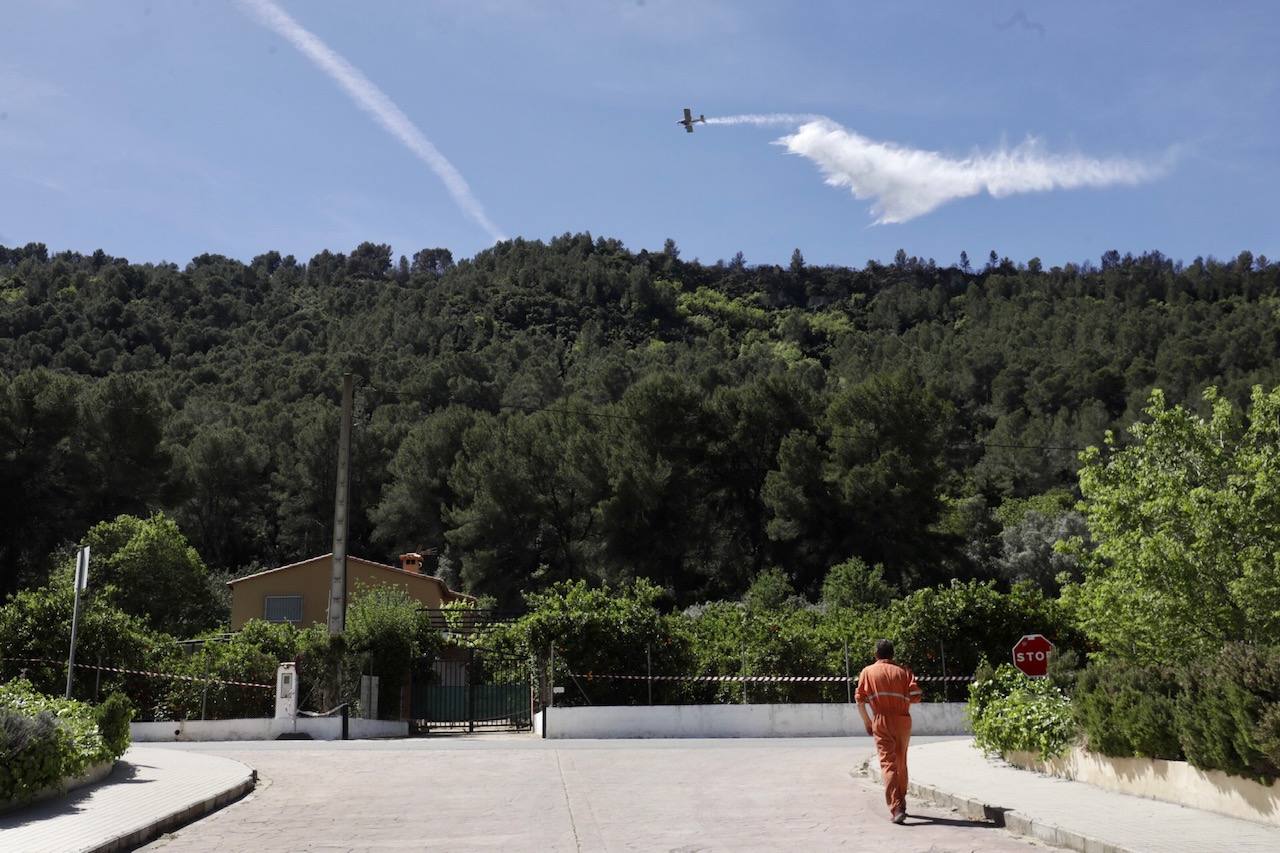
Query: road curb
[[180, 817], [1013, 821]]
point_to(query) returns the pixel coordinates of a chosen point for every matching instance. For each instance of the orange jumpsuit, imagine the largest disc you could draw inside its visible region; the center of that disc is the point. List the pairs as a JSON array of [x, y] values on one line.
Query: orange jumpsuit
[[890, 689]]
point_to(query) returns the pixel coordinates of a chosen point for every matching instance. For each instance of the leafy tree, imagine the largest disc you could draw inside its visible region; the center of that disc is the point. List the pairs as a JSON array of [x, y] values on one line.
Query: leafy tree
[[769, 591], [146, 567], [1028, 552], [35, 632], [386, 631], [1184, 525], [855, 585]]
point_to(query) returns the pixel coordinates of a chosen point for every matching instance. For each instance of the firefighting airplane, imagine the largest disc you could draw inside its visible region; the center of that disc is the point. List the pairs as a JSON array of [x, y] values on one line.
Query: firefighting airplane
[[689, 121]]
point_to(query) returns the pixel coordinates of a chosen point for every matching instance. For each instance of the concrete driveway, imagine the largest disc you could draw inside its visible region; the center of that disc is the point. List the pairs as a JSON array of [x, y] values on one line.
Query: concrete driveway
[[516, 792]]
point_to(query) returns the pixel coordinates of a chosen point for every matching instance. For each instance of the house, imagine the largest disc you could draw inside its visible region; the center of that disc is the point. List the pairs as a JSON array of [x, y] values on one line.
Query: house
[[299, 592]]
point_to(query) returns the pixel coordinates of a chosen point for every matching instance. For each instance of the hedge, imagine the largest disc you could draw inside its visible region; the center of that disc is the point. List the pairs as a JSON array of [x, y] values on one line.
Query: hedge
[[45, 740], [1228, 711], [1126, 709], [1219, 713]]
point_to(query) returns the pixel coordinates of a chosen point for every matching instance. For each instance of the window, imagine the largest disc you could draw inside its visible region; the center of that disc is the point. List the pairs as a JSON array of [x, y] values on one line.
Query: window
[[282, 608]]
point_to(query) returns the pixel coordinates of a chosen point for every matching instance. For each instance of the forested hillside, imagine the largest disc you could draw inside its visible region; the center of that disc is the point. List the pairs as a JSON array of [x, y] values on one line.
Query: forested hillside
[[579, 410]]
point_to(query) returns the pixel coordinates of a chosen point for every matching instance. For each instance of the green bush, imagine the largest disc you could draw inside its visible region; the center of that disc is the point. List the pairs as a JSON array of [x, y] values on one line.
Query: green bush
[[386, 631], [36, 623], [1226, 711], [597, 630], [855, 585], [45, 740], [1012, 712], [969, 621], [1127, 709], [30, 753], [114, 715]]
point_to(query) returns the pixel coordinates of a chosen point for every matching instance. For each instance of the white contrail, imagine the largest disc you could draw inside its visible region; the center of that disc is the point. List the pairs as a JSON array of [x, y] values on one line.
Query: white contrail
[[904, 183], [767, 119], [374, 101]]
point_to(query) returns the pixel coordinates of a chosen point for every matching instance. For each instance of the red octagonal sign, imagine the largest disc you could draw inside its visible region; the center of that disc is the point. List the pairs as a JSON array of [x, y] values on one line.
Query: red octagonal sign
[[1031, 655]]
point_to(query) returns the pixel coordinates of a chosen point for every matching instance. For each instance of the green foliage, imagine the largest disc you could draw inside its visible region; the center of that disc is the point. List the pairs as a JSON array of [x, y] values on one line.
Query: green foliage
[[114, 715], [599, 630], [687, 423], [855, 585], [595, 630], [1188, 550], [1127, 709], [1226, 711], [1052, 503], [771, 590], [252, 655], [36, 624], [31, 753], [147, 569], [1011, 712], [44, 740], [386, 631], [970, 621]]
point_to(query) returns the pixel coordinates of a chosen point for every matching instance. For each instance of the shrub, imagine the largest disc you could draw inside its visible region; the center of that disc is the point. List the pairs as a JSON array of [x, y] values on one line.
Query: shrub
[[30, 753], [386, 631], [36, 623], [114, 715], [970, 621], [1127, 709], [1226, 711], [242, 658], [1012, 712], [598, 630], [45, 740], [854, 585]]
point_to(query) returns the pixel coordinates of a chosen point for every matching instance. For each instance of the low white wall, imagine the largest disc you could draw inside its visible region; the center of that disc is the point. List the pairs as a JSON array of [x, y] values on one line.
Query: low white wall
[[92, 776], [710, 721], [1157, 779], [265, 728]]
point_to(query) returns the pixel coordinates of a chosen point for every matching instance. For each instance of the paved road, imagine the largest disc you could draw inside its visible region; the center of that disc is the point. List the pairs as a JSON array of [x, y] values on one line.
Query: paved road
[[499, 792]]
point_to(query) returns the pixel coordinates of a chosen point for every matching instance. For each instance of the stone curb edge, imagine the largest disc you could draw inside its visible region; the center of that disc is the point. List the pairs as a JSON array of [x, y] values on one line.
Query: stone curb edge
[[181, 817], [1008, 819]]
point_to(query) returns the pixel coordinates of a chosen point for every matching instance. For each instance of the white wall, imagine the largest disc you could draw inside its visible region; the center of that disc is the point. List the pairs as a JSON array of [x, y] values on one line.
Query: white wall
[[677, 721], [1171, 781], [263, 728]]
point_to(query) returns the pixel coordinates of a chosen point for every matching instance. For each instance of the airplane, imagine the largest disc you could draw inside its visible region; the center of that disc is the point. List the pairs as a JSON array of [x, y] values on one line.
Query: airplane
[[689, 121]]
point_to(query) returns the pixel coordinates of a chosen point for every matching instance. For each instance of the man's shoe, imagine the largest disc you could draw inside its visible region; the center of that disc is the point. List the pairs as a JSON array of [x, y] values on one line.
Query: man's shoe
[[900, 817]]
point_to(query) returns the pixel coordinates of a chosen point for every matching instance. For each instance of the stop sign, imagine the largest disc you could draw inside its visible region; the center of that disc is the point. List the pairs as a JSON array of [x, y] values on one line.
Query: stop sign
[[1031, 655]]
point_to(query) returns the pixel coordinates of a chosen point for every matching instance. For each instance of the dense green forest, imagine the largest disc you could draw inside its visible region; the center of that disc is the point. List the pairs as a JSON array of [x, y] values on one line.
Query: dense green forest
[[576, 410]]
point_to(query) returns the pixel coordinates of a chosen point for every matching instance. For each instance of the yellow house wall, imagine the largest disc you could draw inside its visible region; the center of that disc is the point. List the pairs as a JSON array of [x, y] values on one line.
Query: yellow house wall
[[310, 579]]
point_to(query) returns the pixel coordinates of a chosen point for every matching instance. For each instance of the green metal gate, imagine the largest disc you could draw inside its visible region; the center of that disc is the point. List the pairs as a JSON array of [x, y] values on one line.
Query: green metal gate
[[452, 694]]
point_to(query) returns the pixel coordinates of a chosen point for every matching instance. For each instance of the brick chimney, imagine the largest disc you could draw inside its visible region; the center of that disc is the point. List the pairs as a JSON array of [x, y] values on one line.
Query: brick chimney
[[411, 562]]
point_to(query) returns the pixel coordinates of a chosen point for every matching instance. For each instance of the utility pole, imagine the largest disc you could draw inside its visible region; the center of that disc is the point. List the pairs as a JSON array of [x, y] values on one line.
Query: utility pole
[[81, 582], [341, 498]]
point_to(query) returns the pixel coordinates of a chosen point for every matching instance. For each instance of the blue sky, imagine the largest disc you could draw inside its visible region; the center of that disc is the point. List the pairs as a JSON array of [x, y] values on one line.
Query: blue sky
[[161, 130]]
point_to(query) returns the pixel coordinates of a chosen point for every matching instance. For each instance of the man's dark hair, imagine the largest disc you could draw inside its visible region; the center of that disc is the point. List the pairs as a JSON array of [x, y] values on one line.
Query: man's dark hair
[[884, 649]]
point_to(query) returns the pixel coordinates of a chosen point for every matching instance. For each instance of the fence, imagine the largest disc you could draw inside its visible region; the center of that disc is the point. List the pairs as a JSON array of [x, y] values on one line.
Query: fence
[[141, 686], [648, 688], [461, 694]]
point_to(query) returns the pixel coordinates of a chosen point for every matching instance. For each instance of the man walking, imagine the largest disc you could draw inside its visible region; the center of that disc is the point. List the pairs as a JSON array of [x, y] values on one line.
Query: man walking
[[890, 689]]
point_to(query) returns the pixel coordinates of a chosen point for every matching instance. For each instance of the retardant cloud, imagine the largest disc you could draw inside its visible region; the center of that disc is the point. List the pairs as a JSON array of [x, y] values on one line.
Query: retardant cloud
[[903, 183]]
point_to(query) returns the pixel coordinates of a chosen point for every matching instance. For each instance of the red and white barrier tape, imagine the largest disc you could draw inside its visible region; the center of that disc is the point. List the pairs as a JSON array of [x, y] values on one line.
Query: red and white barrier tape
[[772, 679], [143, 672]]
